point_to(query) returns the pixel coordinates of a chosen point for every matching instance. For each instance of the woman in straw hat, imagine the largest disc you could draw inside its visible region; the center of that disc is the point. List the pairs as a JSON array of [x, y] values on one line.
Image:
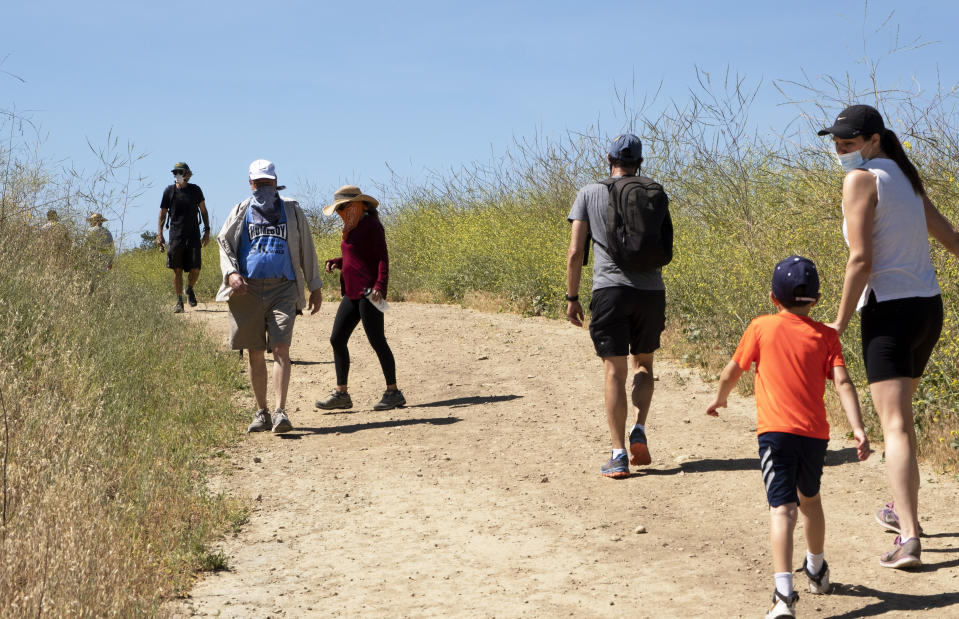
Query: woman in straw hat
[[364, 272]]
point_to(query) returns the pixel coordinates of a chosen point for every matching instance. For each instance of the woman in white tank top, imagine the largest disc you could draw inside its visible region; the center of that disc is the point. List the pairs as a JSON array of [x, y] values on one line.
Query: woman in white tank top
[[887, 219]]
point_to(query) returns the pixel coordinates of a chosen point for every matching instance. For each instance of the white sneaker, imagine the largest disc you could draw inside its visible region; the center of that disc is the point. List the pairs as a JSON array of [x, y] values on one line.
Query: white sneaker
[[818, 583], [783, 607]]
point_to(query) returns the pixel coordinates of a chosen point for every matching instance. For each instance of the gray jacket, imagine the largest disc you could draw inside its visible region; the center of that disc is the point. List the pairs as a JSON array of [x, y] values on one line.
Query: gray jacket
[[300, 239]]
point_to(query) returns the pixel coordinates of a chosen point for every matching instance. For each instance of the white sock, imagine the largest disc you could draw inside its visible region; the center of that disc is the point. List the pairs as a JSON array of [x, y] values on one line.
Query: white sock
[[641, 427], [619, 452], [814, 562], [784, 583]]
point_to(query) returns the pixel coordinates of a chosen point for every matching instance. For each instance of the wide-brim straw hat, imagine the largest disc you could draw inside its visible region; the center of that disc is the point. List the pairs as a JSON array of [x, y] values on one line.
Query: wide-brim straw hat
[[96, 217], [348, 193]]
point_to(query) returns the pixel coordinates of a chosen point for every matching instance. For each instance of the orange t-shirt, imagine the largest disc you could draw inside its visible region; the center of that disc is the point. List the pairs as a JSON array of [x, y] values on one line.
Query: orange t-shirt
[[794, 355]]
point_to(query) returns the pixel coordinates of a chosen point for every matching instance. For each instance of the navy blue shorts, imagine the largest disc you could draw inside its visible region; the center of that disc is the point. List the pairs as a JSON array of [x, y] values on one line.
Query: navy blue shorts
[[898, 336], [790, 461], [626, 321]]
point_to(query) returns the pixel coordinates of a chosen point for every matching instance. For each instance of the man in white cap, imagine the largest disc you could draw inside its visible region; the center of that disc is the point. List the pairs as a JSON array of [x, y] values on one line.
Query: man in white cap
[[268, 261]]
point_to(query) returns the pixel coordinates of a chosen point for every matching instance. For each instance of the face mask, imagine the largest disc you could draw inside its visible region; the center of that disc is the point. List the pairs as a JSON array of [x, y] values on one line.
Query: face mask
[[850, 161], [179, 179]]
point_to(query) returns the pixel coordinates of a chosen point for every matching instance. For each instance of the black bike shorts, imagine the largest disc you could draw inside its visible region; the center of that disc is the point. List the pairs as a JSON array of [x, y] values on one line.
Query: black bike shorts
[[898, 336], [626, 321]]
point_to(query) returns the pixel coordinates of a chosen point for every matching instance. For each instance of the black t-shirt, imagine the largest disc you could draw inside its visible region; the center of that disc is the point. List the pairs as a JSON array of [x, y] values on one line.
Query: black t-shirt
[[183, 207]]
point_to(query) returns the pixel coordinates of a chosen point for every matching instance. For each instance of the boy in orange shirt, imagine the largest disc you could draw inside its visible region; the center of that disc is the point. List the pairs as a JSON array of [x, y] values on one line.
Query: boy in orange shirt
[[794, 355]]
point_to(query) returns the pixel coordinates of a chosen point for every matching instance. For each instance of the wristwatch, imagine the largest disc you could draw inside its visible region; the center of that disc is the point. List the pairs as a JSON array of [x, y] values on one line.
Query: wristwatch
[[572, 297]]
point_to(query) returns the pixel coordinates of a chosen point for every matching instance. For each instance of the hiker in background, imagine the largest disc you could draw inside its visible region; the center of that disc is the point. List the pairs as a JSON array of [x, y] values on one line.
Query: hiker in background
[[628, 303], [364, 273], [794, 356], [184, 204], [887, 221], [55, 233], [268, 260], [99, 240]]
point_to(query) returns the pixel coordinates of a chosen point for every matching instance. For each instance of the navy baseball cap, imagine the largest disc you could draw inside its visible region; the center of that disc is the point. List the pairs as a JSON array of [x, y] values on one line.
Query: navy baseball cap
[[791, 273], [626, 147], [856, 120]]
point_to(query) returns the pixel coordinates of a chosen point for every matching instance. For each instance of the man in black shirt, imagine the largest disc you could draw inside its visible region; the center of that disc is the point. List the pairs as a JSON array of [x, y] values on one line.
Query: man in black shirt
[[183, 202]]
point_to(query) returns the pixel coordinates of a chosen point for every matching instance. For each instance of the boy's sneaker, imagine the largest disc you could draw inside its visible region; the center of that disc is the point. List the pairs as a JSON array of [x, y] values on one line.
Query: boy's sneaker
[[178, 308], [392, 398], [261, 421], [616, 468], [888, 518], [783, 606], [190, 297], [281, 423], [337, 399], [905, 554], [638, 450], [818, 583]]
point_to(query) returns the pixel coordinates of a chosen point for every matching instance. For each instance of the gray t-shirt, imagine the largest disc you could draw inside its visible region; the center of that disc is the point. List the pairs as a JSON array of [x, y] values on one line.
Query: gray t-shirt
[[590, 206]]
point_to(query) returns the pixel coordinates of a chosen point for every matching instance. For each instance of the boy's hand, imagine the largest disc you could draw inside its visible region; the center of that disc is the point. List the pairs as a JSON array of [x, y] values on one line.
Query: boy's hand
[[711, 409], [862, 444]]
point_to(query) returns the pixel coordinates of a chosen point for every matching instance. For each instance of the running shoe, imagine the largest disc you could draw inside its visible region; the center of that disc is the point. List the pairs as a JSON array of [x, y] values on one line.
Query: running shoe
[[638, 450], [190, 297], [178, 308], [281, 423], [392, 398], [783, 606], [818, 583], [261, 421], [888, 518], [905, 554], [616, 468], [337, 399]]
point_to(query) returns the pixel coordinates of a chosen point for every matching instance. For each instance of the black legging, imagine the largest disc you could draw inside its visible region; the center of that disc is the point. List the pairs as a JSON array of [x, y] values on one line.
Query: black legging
[[348, 316]]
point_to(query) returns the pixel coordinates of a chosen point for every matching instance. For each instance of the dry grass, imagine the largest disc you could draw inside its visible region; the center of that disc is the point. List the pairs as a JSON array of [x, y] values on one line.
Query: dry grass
[[110, 408]]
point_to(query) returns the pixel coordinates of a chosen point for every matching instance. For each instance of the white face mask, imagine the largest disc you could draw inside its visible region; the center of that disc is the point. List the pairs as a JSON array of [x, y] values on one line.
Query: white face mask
[[850, 161], [179, 179]]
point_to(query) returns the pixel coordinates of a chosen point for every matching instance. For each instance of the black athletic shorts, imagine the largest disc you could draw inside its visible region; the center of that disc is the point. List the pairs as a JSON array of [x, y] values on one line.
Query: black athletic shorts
[[898, 336], [626, 321], [790, 461], [183, 256]]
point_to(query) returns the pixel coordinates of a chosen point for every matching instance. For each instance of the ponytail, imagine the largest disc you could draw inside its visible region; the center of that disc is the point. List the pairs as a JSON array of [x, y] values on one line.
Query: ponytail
[[890, 145]]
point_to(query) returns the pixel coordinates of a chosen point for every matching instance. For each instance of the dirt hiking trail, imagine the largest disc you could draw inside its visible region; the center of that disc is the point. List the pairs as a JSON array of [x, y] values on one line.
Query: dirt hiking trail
[[483, 498]]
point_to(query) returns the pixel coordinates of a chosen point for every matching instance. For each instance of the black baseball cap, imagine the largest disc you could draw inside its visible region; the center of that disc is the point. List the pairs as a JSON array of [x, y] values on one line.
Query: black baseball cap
[[181, 166], [856, 120], [791, 273]]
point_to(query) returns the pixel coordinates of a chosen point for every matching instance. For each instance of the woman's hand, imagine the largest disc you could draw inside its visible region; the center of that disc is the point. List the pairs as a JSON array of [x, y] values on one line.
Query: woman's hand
[[330, 265], [375, 295]]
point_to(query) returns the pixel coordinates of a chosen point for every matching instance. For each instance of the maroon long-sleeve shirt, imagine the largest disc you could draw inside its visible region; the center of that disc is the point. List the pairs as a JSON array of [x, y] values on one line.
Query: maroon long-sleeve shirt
[[365, 262]]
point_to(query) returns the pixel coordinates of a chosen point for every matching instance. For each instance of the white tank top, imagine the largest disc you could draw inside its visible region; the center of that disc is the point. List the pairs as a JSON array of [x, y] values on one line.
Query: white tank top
[[901, 267]]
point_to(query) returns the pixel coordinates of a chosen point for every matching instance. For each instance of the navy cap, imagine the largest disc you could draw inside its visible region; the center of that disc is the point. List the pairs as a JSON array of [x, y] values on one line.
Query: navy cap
[[856, 120], [791, 273], [626, 147]]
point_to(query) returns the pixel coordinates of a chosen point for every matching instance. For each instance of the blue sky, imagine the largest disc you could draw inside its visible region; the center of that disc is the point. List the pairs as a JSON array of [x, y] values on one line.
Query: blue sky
[[340, 92]]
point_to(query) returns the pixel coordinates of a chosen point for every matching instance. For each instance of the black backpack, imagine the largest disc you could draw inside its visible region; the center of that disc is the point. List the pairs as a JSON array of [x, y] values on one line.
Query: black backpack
[[639, 230]]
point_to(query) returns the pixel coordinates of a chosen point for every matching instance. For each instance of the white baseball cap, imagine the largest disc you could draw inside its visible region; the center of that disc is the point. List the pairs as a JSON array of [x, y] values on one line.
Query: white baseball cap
[[261, 168]]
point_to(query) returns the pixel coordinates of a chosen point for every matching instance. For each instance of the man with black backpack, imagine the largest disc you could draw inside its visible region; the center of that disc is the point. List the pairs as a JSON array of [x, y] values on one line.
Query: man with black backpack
[[183, 202], [627, 217]]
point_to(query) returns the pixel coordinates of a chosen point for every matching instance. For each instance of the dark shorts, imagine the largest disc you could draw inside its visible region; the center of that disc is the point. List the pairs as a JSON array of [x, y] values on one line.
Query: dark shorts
[[898, 336], [626, 320], [790, 461], [183, 256]]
